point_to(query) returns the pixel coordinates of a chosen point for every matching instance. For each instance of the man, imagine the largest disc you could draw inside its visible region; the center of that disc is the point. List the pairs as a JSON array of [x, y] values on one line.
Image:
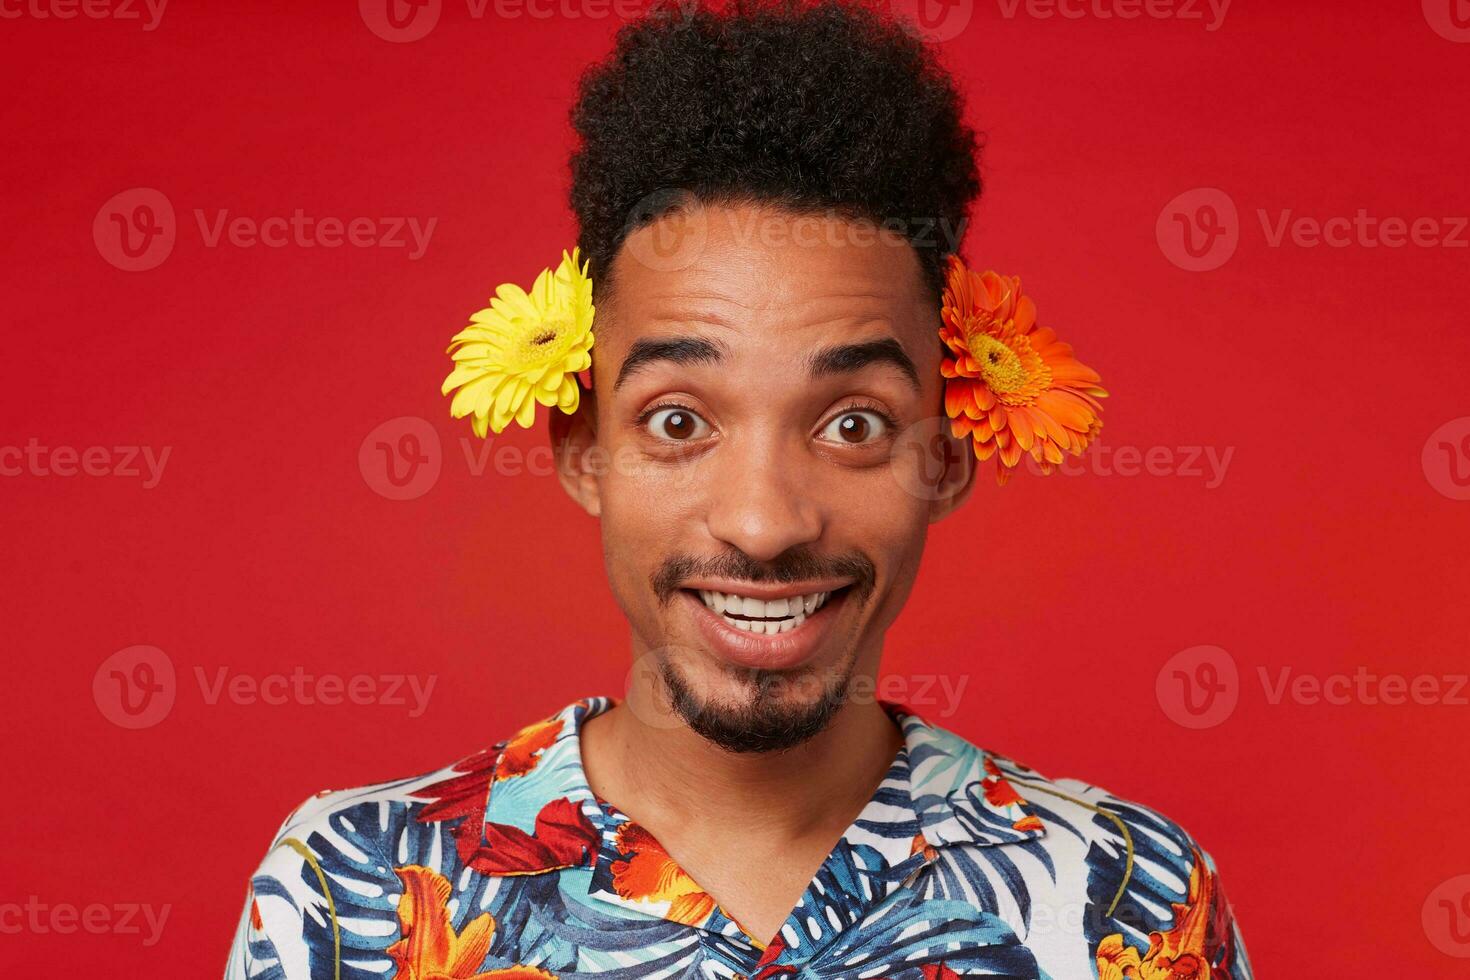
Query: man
[[767, 350]]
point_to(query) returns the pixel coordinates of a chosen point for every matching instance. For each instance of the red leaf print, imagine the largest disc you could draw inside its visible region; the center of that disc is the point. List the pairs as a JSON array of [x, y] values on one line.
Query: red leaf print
[[563, 838]]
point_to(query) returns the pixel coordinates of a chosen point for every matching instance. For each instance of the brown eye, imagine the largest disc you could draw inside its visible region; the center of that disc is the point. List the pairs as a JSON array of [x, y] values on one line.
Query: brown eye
[[855, 428], [676, 425], [852, 428]]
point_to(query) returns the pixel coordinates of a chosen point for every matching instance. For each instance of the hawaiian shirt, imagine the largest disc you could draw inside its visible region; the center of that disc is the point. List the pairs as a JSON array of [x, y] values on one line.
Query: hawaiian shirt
[[506, 865]]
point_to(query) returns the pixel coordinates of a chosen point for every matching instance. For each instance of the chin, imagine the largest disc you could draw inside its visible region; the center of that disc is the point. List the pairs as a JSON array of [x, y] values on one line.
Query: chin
[[752, 709]]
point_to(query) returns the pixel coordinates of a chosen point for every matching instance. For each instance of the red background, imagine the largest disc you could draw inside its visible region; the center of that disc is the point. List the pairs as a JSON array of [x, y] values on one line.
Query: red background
[[264, 548]]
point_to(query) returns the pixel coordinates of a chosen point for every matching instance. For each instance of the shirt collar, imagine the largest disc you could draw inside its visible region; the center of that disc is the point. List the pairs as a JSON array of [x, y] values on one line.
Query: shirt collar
[[540, 814]]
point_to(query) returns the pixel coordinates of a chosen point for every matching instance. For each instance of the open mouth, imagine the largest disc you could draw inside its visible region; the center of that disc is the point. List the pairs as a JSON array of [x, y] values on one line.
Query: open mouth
[[764, 616]]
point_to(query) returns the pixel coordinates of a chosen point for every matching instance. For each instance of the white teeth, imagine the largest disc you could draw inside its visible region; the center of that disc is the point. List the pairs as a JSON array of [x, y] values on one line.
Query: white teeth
[[760, 616]]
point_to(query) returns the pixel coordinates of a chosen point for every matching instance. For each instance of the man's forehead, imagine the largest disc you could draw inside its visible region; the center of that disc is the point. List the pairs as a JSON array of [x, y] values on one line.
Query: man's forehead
[[754, 263]]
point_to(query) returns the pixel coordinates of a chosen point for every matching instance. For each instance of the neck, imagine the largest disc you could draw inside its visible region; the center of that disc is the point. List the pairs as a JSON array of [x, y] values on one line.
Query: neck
[[665, 767]]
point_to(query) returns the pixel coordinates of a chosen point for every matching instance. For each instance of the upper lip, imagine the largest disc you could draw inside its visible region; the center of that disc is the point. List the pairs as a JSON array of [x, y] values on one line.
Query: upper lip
[[766, 590]]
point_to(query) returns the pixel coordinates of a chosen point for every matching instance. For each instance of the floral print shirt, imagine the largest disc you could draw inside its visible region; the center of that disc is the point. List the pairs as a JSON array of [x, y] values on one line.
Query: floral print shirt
[[506, 865]]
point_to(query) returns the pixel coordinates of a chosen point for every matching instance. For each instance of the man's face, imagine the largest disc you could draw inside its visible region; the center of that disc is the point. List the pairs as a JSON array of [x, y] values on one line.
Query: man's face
[[756, 532]]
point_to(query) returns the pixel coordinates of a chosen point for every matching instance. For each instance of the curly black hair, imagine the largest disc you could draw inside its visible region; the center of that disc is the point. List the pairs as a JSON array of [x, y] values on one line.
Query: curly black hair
[[811, 105]]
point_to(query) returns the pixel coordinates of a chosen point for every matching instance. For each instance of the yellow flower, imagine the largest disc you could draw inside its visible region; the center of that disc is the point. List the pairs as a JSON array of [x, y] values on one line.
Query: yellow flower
[[523, 349]]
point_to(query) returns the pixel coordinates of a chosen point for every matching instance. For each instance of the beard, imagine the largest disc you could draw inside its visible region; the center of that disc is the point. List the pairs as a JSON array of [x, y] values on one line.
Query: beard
[[769, 720]]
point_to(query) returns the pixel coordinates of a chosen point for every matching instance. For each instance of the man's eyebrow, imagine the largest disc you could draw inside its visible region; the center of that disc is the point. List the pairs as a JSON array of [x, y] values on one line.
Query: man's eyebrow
[[846, 358], [676, 350]]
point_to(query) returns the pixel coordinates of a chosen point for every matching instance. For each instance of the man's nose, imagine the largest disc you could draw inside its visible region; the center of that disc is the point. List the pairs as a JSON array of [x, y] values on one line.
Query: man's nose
[[760, 504]]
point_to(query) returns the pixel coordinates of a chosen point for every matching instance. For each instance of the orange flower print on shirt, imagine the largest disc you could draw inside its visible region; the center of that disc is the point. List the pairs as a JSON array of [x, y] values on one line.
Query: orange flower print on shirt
[[647, 873], [430, 948], [1000, 792], [1181, 953], [524, 750]]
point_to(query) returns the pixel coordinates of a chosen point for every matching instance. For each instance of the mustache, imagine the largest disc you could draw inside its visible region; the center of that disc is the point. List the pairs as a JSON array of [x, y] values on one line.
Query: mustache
[[794, 565]]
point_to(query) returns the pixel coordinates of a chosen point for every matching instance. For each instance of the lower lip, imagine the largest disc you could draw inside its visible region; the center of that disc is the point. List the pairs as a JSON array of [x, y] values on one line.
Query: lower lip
[[783, 651]]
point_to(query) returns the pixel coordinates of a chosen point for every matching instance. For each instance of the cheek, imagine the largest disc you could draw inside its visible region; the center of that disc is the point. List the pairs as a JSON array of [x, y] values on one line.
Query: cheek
[[872, 506], [647, 513], [879, 518]]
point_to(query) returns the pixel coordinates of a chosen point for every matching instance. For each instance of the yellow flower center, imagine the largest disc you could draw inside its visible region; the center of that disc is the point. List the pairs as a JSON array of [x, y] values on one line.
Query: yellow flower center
[[544, 343], [1000, 366]]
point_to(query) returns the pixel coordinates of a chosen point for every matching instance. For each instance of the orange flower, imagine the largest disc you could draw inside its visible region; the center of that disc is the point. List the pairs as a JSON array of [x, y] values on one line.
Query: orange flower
[[1000, 792], [1182, 953], [524, 750], [646, 873], [1012, 386], [430, 948]]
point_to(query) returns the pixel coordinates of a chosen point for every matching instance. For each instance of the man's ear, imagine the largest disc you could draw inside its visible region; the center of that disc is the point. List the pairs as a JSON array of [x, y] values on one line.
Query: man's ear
[[957, 478], [573, 437]]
